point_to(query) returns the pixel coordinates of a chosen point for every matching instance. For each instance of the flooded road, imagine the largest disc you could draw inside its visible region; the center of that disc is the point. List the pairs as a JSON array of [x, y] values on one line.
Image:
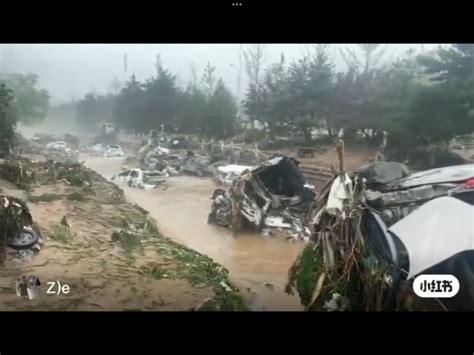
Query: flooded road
[[257, 265]]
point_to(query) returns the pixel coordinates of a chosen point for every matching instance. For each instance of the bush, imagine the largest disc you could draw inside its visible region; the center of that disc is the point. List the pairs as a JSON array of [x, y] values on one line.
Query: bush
[[62, 233]]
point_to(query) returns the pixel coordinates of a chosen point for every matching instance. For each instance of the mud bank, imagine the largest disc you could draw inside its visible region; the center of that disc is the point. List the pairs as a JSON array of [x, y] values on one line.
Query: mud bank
[[112, 257]]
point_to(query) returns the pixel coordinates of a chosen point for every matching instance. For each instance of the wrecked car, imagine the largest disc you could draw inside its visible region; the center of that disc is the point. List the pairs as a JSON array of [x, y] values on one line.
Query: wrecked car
[[422, 224], [272, 198], [142, 179], [113, 150], [373, 235], [221, 210], [198, 164], [228, 174], [59, 145]]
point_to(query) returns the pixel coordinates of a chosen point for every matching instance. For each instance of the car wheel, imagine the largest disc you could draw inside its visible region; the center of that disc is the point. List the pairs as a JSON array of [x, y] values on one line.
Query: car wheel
[[25, 240]]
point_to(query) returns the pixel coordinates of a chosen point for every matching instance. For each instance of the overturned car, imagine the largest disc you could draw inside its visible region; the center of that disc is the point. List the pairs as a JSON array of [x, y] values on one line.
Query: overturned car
[[272, 198]]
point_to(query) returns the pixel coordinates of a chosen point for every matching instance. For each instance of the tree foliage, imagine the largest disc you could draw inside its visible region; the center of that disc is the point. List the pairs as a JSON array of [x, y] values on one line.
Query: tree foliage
[[208, 109], [413, 99], [7, 119], [220, 118], [94, 109], [30, 103]]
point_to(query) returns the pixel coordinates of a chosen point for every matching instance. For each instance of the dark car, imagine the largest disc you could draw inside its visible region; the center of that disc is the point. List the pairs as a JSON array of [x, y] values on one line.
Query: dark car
[[198, 164], [423, 224]]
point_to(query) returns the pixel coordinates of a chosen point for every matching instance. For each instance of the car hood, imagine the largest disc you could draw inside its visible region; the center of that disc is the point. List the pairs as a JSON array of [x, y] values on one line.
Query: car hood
[[457, 173]]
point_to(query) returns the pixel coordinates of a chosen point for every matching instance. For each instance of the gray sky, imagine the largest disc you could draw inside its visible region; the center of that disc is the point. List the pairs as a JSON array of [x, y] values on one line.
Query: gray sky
[[68, 71]]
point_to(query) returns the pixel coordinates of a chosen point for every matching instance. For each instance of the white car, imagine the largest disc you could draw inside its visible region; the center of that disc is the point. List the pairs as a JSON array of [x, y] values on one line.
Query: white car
[[141, 179], [113, 150], [59, 145]]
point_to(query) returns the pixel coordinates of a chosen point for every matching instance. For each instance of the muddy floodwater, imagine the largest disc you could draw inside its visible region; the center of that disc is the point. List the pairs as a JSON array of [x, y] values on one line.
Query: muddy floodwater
[[257, 265]]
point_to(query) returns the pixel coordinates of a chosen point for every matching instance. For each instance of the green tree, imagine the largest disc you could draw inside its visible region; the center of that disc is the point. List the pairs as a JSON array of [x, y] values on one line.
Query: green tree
[[445, 108], [309, 90], [220, 120], [364, 72], [161, 104], [7, 120], [192, 113], [129, 105], [30, 103], [254, 58], [453, 63], [208, 79], [274, 97], [94, 109], [437, 114]]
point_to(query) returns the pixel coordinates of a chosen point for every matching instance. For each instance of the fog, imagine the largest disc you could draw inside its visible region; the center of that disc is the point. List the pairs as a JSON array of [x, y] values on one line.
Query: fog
[[69, 71]]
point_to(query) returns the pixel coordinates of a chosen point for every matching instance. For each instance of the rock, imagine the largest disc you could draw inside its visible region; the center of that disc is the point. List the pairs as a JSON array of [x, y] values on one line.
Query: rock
[[269, 286]]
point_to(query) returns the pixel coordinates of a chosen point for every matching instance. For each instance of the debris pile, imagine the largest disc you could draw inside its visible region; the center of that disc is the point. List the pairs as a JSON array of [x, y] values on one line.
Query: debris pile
[[201, 164], [272, 198], [72, 173], [19, 236], [19, 172], [375, 230]]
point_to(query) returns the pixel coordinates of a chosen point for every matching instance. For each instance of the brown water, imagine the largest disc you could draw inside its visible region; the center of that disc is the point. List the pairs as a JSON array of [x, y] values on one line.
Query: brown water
[[257, 265]]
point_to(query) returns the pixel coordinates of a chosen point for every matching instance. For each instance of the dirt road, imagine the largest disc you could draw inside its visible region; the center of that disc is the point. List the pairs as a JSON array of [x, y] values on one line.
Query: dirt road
[[257, 265]]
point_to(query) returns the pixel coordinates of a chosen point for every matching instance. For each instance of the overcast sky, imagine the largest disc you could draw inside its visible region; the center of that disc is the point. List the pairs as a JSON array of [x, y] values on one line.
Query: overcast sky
[[68, 71]]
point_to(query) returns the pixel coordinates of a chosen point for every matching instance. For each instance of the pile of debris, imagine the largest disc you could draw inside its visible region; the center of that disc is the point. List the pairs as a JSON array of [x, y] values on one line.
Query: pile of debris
[[272, 198], [19, 172], [25, 171], [377, 229], [72, 173], [19, 236]]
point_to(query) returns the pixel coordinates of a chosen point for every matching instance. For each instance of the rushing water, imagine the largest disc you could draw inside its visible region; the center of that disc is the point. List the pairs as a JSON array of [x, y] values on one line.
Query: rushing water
[[257, 265]]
